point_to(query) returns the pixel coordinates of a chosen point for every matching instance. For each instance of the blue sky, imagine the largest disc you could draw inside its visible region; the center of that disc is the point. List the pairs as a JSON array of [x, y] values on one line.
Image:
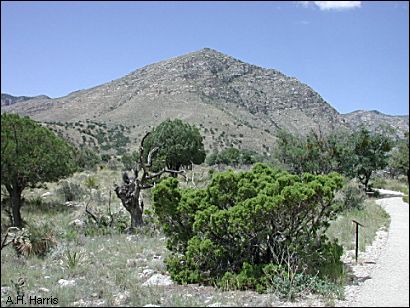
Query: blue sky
[[356, 57]]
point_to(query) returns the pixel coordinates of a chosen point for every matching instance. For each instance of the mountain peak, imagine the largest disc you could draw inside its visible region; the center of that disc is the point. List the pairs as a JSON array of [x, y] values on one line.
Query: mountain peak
[[210, 50], [234, 102], [207, 53]]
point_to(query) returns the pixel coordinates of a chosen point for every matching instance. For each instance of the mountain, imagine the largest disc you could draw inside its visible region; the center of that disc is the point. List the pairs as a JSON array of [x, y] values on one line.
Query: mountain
[[233, 103], [7, 99], [374, 120]]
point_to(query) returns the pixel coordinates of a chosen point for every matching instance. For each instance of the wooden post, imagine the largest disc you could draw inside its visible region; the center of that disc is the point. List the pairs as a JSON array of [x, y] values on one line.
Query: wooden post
[[357, 238]]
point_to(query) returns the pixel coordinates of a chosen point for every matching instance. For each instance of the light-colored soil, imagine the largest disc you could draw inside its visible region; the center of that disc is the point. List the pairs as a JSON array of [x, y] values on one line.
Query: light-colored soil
[[388, 282]]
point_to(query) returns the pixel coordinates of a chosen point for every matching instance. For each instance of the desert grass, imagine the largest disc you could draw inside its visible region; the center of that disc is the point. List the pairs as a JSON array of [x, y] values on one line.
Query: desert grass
[[110, 269], [399, 184], [372, 216]]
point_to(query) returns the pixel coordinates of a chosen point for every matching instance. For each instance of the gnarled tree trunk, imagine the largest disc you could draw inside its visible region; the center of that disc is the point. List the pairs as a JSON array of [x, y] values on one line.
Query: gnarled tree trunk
[[130, 195], [130, 191]]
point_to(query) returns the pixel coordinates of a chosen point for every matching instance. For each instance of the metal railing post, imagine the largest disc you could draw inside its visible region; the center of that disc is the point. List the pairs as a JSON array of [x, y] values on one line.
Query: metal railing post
[[357, 238]]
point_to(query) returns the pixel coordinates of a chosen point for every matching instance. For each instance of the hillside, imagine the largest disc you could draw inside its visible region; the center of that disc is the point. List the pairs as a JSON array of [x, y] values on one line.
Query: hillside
[[374, 119], [232, 102], [7, 99]]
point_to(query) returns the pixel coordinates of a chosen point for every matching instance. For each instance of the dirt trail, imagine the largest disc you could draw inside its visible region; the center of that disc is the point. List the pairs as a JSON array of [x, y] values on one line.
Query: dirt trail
[[389, 283]]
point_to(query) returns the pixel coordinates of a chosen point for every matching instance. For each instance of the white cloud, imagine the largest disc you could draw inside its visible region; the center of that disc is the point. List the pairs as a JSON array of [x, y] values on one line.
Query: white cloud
[[337, 5], [333, 5]]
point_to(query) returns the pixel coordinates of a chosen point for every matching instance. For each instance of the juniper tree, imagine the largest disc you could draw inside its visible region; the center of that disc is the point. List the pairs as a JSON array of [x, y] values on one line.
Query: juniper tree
[[30, 154]]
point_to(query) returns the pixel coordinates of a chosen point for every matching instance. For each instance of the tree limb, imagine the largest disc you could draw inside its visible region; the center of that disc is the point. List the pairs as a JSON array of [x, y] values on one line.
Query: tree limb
[[90, 213], [150, 154]]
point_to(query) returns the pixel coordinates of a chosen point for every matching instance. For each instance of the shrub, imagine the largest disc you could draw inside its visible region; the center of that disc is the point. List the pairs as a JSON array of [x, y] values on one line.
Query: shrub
[[379, 182], [107, 224], [35, 240], [71, 235], [70, 191], [244, 222], [73, 259], [179, 144], [105, 157], [87, 159], [234, 157], [129, 160], [276, 279], [42, 238], [351, 196]]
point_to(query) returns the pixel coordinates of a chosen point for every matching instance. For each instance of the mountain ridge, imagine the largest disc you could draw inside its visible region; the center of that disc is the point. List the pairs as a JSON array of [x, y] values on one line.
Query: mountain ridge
[[243, 104]]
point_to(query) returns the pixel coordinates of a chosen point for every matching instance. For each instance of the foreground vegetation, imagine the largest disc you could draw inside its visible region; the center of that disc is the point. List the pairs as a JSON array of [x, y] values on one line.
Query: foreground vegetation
[[250, 230], [83, 251], [280, 233]]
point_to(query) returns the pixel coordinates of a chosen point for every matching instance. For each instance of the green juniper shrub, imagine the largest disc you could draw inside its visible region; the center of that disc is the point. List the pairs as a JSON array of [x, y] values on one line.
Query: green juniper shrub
[[179, 144], [234, 157], [87, 159], [129, 160], [245, 223]]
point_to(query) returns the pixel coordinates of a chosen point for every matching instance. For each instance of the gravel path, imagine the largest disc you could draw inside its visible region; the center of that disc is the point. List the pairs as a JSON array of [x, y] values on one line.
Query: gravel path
[[389, 283]]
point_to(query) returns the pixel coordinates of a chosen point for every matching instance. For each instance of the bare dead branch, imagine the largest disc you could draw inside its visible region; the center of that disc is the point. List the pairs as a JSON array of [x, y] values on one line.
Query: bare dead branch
[[109, 210], [152, 176], [181, 172], [90, 213], [146, 186], [150, 154], [130, 191]]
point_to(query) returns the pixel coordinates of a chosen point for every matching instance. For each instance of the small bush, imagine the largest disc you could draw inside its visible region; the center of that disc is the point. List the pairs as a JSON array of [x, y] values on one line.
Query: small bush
[[86, 158], [91, 182], [34, 240], [73, 259], [234, 157], [406, 198], [399, 184], [106, 225], [37, 202], [70, 191], [42, 238], [379, 182], [351, 196], [71, 235]]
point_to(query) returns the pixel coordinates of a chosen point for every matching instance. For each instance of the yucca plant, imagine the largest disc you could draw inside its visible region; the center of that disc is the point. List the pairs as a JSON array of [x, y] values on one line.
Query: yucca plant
[[74, 258]]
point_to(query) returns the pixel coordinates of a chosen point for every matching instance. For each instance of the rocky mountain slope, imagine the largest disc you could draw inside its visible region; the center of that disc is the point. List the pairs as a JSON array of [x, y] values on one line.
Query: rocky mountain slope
[[7, 99], [374, 120], [233, 103]]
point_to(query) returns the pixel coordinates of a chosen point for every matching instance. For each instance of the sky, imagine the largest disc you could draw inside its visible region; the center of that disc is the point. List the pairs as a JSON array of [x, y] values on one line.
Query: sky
[[355, 54]]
